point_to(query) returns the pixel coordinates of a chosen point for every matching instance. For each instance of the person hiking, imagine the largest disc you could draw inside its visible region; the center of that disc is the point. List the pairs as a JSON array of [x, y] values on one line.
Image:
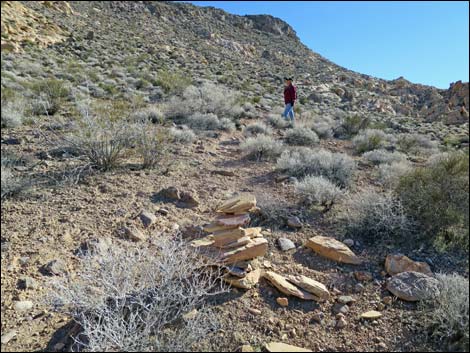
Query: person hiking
[[290, 95]]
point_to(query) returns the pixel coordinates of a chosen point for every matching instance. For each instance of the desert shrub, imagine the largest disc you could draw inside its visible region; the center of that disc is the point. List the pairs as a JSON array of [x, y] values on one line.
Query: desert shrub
[[318, 190], [337, 167], [446, 315], [49, 96], [382, 156], [203, 122], [351, 125], [277, 121], [205, 99], [390, 174], [101, 133], [149, 144], [324, 127], [371, 139], [437, 196], [248, 110], [416, 144], [152, 114], [12, 113], [301, 136], [183, 135], [226, 124], [373, 217], [172, 82], [261, 147], [257, 128], [139, 298], [9, 182]]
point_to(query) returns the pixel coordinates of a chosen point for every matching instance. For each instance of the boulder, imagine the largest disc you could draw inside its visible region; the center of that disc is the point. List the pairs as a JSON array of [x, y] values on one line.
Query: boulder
[[285, 244], [310, 285], [413, 286], [147, 218], [284, 286], [294, 222], [395, 264], [333, 249], [132, 233]]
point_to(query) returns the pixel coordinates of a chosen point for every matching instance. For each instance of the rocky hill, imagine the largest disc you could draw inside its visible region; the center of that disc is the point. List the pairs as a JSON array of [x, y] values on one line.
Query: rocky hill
[[251, 53], [154, 199]]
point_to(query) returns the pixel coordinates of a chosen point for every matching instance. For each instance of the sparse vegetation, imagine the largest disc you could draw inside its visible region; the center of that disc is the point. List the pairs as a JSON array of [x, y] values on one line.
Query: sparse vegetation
[[351, 125], [437, 197], [258, 128], [416, 144], [337, 167], [49, 96], [373, 217], [184, 135], [384, 157], [261, 147], [139, 299], [371, 139], [446, 315], [390, 174], [301, 136], [319, 191]]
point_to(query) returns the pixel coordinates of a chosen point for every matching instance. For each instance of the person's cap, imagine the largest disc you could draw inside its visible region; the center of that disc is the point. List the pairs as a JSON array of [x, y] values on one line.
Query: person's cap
[[288, 78]]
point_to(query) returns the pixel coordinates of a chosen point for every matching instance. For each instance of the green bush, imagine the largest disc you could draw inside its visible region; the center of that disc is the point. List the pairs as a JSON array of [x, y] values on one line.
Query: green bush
[[351, 125], [437, 196], [50, 94], [172, 82]]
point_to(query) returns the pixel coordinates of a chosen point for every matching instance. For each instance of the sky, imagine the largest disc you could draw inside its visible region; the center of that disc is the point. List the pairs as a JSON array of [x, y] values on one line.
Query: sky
[[426, 42]]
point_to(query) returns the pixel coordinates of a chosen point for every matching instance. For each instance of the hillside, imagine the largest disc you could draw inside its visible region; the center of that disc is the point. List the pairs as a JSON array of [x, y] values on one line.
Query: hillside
[[145, 163]]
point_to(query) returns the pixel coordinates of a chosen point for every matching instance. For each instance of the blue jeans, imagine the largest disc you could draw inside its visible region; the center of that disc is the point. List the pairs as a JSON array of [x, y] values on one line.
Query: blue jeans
[[289, 112]]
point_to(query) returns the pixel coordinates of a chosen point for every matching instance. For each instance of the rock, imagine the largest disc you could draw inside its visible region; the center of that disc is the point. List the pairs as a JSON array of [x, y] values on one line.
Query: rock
[[283, 347], [358, 288], [171, 194], [413, 286], [348, 242], [282, 301], [227, 236], [256, 247], [371, 315], [346, 299], [238, 205], [223, 172], [246, 348], [233, 220], [214, 227], [132, 233], [339, 308], [163, 211], [249, 281], [341, 323], [254, 311], [187, 200], [90, 35], [285, 244], [363, 276], [236, 243], [318, 316], [55, 268], [147, 218], [395, 264], [24, 305], [294, 222], [94, 246], [7, 337], [387, 300], [27, 282], [333, 249], [253, 232], [310, 285], [203, 242], [286, 287], [236, 271]]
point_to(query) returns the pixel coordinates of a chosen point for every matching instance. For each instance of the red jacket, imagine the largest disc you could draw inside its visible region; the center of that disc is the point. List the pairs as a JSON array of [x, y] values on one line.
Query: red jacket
[[290, 94]]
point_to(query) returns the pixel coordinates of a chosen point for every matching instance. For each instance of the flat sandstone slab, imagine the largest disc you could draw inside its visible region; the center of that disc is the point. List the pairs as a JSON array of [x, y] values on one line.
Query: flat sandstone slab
[[395, 264], [247, 282], [233, 220], [285, 287], [283, 347], [333, 249], [310, 285], [256, 247], [238, 205]]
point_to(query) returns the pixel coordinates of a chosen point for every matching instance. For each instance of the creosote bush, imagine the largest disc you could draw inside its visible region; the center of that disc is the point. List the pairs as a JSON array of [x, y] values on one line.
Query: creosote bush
[[261, 147], [49, 96], [139, 298], [149, 143], [351, 125], [102, 134], [339, 168], [437, 197]]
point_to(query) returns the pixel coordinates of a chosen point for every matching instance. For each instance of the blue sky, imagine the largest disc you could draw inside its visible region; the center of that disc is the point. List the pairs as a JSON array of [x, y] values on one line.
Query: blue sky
[[426, 42]]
